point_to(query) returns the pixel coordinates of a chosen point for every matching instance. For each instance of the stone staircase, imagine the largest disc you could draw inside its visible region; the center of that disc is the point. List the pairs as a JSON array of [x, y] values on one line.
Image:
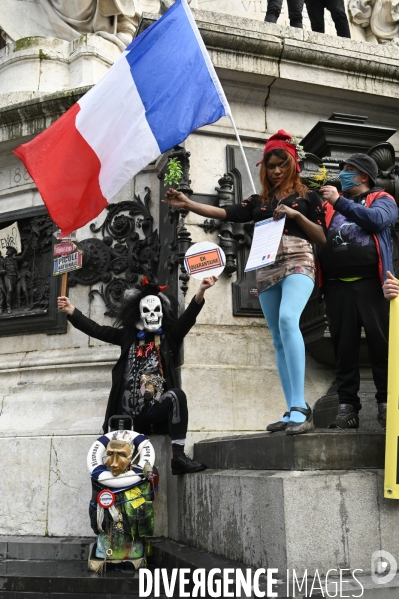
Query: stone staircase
[[47, 568], [308, 502], [44, 567]]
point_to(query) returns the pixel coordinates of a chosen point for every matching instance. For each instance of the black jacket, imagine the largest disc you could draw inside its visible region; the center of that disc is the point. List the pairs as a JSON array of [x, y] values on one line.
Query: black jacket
[[170, 345]]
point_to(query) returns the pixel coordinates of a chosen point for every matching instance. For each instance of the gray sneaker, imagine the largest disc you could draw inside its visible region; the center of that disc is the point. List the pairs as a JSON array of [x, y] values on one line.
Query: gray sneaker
[[347, 417], [382, 414]]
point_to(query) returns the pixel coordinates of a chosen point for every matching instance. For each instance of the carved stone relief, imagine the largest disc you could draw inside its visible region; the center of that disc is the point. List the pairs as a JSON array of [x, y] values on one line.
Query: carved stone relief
[[381, 16], [115, 20], [28, 288]]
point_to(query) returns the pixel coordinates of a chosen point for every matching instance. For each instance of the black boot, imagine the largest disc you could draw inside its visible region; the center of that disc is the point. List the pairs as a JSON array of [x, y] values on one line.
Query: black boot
[[382, 414], [347, 417], [185, 465]]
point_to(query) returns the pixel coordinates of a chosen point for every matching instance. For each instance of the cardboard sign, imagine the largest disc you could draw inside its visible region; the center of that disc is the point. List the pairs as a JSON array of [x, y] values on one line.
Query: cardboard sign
[[204, 259], [10, 237], [68, 263], [64, 248]]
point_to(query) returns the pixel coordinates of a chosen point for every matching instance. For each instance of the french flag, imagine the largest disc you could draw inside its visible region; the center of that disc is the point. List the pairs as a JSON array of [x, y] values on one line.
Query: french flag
[[162, 88]]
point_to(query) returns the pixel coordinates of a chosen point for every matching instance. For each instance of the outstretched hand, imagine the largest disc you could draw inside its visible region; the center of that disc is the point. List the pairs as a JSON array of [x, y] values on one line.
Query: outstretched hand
[[205, 284], [176, 199], [64, 305], [329, 193], [390, 287]]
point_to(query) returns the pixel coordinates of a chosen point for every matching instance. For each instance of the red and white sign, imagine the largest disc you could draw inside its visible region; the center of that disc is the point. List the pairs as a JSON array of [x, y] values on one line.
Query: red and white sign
[[106, 498], [64, 248]]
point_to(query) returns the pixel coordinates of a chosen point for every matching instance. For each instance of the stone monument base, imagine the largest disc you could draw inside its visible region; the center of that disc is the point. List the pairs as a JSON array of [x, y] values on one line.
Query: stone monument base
[[262, 505]]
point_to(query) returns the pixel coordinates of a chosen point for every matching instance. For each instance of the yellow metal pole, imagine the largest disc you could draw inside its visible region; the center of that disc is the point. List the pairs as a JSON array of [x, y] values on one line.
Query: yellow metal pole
[[391, 480]]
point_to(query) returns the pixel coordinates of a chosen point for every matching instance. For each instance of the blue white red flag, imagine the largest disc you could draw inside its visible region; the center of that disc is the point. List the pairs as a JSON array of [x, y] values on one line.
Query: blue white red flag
[[162, 88]]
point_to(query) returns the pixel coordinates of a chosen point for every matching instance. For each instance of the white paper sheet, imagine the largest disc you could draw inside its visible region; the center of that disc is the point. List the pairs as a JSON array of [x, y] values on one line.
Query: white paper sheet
[[267, 236]]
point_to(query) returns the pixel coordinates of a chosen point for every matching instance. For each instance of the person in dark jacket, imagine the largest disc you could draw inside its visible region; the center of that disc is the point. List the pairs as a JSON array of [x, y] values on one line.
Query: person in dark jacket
[[354, 263], [144, 379]]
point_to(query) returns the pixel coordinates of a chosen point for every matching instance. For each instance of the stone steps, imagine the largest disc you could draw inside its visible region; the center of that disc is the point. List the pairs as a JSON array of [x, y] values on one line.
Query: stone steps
[[62, 578], [43, 567], [319, 450], [38, 548], [290, 502], [302, 520], [57, 567]]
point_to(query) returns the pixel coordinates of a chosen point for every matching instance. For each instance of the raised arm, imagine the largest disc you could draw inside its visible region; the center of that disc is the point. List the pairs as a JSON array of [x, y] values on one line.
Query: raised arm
[[382, 212], [89, 327], [377, 217], [179, 200], [187, 320]]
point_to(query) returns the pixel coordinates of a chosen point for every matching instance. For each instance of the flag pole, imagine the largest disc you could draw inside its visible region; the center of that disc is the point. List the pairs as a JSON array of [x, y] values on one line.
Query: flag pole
[[243, 154]]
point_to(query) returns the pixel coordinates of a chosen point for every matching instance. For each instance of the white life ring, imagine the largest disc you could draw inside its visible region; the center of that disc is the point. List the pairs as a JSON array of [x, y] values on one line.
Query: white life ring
[[101, 473]]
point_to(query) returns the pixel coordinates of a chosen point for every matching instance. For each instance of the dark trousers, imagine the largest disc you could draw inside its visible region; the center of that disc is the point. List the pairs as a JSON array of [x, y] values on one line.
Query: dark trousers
[[315, 10], [349, 306], [295, 8], [168, 415]]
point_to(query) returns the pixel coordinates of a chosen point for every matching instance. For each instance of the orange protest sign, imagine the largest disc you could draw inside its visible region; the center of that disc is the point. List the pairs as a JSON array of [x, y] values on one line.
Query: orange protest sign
[[202, 261]]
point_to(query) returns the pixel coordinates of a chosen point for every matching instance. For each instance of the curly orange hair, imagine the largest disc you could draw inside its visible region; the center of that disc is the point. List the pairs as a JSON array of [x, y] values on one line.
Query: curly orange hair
[[290, 183]]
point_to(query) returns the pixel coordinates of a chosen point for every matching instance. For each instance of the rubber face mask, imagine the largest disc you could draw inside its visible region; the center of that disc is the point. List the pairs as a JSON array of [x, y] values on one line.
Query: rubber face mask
[[347, 179], [118, 457], [151, 313]]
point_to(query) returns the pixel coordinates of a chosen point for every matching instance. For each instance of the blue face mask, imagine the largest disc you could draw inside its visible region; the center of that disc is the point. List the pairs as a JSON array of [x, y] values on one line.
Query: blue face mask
[[346, 178]]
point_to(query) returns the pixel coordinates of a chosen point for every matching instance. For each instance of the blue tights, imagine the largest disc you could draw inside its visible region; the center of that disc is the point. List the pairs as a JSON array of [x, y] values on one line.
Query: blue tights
[[282, 306]]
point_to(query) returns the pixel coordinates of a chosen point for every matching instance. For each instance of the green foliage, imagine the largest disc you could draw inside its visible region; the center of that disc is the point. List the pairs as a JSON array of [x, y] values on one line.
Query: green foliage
[[174, 173]]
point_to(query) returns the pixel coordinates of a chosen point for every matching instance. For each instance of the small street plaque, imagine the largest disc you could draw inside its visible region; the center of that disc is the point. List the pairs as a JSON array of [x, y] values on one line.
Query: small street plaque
[[64, 264]]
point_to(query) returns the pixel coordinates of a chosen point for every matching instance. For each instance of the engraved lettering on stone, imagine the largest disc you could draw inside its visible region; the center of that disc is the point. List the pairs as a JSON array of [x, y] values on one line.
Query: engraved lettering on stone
[[14, 177]]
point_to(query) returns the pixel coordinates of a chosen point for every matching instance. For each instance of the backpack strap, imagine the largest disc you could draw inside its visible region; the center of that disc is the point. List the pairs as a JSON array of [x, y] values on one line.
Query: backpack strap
[[329, 210], [375, 195]]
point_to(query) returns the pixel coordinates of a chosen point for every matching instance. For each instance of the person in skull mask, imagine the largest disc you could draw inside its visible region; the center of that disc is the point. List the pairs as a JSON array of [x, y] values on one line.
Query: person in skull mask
[[144, 380]]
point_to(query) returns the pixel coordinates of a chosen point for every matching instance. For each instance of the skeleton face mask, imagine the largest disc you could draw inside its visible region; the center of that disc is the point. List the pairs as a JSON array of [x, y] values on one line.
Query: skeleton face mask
[[151, 313]]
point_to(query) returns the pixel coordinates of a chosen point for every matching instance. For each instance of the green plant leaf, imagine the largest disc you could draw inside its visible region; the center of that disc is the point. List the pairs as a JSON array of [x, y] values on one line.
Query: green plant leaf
[[174, 173]]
